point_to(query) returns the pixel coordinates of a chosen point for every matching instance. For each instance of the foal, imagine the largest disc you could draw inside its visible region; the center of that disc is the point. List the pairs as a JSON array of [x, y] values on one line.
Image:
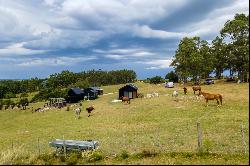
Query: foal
[[127, 99], [185, 90], [196, 88], [209, 96]]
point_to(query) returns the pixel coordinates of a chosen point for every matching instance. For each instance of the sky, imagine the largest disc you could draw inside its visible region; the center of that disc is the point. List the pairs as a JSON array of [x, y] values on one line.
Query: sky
[[42, 37]]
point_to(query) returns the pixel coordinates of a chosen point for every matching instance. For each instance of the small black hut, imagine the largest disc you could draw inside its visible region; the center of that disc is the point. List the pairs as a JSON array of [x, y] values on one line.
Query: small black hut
[[75, 95], [129, 90], [98, 89], [90, 93]]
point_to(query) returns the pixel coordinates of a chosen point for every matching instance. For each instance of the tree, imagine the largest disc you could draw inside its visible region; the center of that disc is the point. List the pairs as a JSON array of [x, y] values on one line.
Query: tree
[[220, 56], [237, 31], [156, 80], [191, 58], [172, 76]]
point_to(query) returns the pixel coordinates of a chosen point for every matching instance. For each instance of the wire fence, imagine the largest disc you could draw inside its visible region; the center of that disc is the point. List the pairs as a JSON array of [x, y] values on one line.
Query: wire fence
[[158, 141]]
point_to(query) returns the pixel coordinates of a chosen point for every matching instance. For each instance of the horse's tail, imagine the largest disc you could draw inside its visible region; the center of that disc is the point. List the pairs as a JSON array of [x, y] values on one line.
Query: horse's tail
[[220, 99]]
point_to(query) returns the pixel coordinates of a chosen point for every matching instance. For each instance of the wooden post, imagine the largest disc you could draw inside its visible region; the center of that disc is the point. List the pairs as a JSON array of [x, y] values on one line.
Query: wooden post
[[64, 147], [243, 139], [38, 146], [199, 136], [12, 146]]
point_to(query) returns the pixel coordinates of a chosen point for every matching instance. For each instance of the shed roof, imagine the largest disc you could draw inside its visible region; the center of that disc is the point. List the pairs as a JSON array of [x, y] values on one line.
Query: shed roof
[[95, 88], [130, 85], [77, 91]]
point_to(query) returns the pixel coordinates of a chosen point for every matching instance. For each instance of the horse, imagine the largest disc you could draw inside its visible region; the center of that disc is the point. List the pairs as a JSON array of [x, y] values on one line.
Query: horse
[[185, 90], [155, 94], [140, 95], [77, 112], [209, 96], [196, 88], [124, 98], [175, 94], [90, 109]]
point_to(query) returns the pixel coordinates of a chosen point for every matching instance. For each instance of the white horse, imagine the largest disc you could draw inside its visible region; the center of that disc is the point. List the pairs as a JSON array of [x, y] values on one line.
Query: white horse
[[155, 94], [77, 112], [175, 94]]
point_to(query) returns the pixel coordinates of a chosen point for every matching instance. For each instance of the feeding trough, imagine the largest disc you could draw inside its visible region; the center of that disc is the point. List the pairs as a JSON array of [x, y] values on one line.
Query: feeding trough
[[73, 145]]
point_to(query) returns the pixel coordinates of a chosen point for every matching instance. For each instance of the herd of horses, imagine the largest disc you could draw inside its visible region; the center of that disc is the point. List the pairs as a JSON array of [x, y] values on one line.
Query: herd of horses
[[207, 96]]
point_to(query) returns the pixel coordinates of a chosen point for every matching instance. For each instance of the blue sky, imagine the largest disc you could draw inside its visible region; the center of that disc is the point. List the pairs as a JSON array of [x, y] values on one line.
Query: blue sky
[[42, 37]]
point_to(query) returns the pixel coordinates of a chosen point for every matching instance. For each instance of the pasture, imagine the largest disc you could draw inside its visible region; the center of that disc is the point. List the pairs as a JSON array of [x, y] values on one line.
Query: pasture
[[159, 124]]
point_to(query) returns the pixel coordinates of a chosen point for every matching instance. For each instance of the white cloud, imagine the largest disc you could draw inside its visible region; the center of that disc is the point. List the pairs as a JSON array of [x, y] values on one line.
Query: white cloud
[[157, 64], [119, 54], [116, 57], [57, 61], [17, 49], [214, 21], [146, 32], [58, 39]]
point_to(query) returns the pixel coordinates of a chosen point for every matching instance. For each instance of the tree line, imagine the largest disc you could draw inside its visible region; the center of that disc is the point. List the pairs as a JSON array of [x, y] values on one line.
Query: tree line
[[197, 58], [56, 85]]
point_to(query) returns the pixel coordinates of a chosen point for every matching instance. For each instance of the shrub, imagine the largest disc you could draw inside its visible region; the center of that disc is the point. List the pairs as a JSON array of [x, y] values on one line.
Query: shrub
[[9, 95], [92, 156], [24, 95], [124, 154], [146, 153], [156, 80], [73, 158]]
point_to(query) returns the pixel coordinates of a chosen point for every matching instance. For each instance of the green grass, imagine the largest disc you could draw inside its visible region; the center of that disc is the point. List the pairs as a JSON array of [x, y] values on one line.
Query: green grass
[[159, 124]]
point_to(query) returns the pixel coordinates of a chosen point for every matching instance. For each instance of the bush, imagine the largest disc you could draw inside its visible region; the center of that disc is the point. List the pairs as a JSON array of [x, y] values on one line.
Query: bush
[[172, 77], [156, 80], [24, 95], [92, 156], [124, 154], [10, 95], [146, 153], [73, 158]]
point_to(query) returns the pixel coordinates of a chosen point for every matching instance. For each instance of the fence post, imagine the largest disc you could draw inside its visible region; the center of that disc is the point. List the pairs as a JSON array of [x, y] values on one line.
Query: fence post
[[199, 136], [64, 148], [243, 139], [12, 146], [38, 146]]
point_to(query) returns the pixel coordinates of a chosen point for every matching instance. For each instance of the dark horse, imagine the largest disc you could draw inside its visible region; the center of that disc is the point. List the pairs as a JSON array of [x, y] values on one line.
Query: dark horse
[[196, 88], [124, 98], [209, 96], [90, 109], [185, 90]]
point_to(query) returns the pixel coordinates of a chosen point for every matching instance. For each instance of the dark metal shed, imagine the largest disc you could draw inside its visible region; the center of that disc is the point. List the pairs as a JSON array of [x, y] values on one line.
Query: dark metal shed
[[75, 95], [129, 90], [90, 93]]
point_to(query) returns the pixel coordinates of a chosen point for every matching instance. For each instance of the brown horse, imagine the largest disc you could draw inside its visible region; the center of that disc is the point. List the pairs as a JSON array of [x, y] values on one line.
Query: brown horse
[[185, 90], [124, 98], [196, 88], [209, 96]]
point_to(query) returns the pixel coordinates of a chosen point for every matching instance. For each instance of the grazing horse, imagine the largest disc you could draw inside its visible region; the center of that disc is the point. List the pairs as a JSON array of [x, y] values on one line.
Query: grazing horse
[[77, 112], [196, 88], [90, 109], [175, 95], [209, 96], [140, 95], [124, 98], [185, 90]]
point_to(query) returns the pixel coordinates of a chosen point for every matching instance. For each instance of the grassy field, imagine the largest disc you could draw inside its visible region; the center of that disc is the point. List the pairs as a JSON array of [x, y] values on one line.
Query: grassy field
[[160, 126]]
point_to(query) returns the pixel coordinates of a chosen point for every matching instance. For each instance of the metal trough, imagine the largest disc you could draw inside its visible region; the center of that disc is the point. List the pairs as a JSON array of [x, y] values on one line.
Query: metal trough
[[74, 144]]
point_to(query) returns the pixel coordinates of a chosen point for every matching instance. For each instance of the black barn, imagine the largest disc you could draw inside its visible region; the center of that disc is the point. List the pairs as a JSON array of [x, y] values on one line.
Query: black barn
[[98, 89], [129, 90], [90, 93], [75, 95]]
